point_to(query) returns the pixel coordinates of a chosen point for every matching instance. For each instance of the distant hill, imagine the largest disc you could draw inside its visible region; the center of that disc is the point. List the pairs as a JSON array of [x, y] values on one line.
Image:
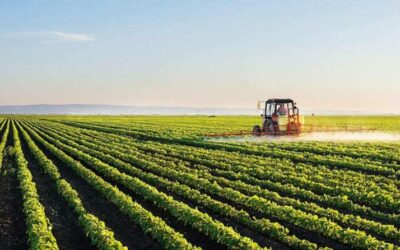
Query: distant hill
[[86, 109]]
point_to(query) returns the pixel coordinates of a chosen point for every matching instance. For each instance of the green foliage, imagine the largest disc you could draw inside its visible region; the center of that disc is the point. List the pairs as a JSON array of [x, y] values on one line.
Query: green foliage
[[345, 192], [38, 226], [95, 229], [151, 224]]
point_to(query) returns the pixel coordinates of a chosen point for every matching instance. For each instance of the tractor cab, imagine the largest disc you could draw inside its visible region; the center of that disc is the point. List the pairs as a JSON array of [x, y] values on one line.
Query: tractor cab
[[279, 117]]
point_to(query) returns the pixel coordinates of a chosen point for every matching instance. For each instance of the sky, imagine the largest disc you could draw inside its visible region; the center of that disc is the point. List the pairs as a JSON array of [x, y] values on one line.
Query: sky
[[326, 55]]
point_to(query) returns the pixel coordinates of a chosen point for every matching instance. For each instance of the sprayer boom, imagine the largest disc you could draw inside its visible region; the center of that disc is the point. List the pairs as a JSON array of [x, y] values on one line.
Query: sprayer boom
[[305, 130]]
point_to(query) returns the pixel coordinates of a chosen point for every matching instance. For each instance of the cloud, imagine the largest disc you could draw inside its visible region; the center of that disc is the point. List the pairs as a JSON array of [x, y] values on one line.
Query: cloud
[[52, 36], [73, 37]]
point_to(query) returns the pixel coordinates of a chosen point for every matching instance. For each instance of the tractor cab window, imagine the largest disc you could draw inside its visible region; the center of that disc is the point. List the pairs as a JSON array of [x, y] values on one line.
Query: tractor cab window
[[293, 109], [290, 108], [269, 109], [282, 109]]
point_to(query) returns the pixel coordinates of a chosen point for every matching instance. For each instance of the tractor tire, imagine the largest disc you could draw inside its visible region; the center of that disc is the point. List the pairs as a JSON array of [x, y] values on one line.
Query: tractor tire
[[265, 126], [256, 130]]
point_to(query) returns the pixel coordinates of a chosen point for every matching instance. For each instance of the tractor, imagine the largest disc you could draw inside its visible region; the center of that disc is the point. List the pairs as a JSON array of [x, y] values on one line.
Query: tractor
[[279, 117]]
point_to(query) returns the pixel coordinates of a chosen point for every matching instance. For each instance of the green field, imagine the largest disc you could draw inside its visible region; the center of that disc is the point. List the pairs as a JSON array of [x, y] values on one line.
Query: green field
[[155, 182]]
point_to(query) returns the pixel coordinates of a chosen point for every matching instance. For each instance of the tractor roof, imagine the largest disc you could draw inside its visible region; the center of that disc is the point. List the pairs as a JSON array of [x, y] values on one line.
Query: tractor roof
[[279, 100]]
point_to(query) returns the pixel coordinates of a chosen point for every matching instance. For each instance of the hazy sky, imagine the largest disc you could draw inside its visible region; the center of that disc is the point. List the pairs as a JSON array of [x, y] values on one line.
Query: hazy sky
[[327, 55]]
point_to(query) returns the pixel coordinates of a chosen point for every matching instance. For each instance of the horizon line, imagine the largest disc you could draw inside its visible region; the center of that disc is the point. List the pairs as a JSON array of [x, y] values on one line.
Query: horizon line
[[195, 110]]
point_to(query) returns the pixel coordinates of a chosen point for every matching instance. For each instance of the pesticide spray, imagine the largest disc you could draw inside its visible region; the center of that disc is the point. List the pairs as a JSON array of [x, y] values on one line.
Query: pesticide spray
[[370, 136]]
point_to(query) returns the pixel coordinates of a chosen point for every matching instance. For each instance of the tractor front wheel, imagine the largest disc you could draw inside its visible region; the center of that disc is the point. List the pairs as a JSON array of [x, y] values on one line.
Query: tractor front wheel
[[256, 130]]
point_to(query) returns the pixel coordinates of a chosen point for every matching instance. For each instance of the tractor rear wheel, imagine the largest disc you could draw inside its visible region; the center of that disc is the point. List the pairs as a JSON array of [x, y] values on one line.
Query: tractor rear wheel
[[256, 130]]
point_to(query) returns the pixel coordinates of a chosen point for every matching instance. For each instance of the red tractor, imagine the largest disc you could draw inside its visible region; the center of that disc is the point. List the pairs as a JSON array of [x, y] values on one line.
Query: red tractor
[[280, 117]]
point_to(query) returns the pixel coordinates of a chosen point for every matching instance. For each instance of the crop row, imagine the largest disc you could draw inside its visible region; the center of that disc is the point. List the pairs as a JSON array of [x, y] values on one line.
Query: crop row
[[191, 217], [265, 184], [94, 228], [152, 225], [317, 173], [112, 149], [341, 202], [3, 139], [376, 195], [256, 159], [38, 227], [301, 219], [332, 162], [273, 230], [327, 180], [223, 148], [375, 155], [346, 162]]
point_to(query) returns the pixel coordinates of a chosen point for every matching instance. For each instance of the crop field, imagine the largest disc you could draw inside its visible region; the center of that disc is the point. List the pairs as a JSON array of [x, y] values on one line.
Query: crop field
[[156, 182]]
